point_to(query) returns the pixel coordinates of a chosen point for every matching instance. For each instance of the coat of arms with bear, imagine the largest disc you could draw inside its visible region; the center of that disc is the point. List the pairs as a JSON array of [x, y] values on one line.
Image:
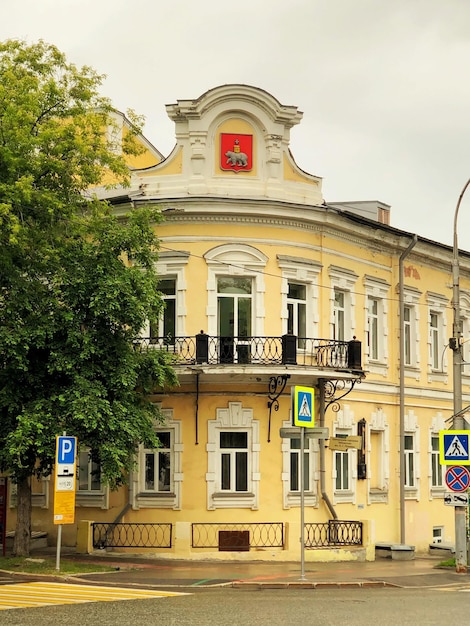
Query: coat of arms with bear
[[236, 152]]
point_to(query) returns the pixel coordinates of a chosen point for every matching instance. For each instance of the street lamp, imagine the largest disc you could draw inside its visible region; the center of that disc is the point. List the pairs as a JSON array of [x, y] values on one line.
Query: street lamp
[[458, 420]]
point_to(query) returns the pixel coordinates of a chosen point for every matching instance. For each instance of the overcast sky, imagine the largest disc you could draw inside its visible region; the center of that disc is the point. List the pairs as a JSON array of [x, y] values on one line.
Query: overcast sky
[[384, 85]]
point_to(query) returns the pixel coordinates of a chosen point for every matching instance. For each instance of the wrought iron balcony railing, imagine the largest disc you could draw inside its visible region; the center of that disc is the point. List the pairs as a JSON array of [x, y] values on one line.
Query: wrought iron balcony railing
[[286, 350]]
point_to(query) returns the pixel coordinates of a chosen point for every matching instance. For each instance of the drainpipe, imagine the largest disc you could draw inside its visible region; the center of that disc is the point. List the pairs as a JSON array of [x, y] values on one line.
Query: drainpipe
[[401, 298], [321, 444]]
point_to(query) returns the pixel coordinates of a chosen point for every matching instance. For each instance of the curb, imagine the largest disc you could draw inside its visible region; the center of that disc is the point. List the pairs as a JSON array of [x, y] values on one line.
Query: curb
[[311, 585]]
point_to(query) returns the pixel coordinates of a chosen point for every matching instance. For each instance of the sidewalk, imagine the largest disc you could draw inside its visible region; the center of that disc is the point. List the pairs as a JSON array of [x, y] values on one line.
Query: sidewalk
[[137, 570]]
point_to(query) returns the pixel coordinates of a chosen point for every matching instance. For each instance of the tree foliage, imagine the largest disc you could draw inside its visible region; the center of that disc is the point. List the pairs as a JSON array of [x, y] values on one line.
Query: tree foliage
[[77, 283]]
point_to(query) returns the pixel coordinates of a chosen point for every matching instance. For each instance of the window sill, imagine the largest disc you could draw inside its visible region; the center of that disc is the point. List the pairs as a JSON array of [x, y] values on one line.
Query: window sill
[[233, 494], [233, 500], [437, 375], [96, 499], [157, 500], [343, 496], [411, 493], [377, 367], [292, 499], [377, 496]]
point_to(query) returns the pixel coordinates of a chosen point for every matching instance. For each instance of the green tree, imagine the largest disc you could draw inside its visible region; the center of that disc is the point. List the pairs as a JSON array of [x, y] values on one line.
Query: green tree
[[77, 283]]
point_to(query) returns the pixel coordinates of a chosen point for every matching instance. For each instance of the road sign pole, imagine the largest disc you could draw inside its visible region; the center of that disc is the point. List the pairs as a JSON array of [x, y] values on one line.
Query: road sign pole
[[302, 505], [59, 529], [59, 542]]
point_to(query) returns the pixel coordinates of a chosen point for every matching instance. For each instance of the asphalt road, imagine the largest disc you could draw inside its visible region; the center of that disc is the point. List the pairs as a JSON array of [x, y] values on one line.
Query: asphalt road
[[232, 607]]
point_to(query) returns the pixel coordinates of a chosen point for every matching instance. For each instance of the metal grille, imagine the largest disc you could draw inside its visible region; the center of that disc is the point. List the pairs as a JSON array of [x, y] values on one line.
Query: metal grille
[[131, 535], [261, 535], [324, 353], [333, 533]]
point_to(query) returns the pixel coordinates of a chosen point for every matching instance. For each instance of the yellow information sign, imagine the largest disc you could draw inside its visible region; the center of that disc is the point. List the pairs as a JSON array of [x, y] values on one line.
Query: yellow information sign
[[64, 507], [344, 443]]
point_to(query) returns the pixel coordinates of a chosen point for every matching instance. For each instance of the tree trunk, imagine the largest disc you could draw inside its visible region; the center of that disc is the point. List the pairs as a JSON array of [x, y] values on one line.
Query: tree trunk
[[22, 543]]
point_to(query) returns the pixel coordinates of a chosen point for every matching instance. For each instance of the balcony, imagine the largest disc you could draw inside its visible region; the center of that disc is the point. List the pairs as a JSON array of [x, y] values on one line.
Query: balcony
[[287, 350]]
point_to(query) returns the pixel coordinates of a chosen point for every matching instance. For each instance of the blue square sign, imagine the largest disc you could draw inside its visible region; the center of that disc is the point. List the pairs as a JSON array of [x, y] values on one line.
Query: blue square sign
[[66, 450], [454, 448]]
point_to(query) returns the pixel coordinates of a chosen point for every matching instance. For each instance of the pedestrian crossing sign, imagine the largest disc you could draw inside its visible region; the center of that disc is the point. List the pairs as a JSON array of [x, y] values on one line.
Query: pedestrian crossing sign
[[303, 406], [454, 448]]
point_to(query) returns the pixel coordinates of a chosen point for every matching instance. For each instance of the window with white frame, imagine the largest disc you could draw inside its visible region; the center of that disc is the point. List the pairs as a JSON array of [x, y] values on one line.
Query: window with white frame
[[342, 469], [243, 265], [234, 306], [378, 450], [89, 472], [297, 312], [411, 327], [40, 490], [299, 290], [339, 314], [436, 467], [344, 462], [373, 328], [166, 325], [407, 332], [435, 340], [342, 302], [465, 318], [376, 304], [466, 344], [411, 456], [233, 459], [296, 458], [172, 286], [437, 333], [291, 460], [436, 474], [91, 492], [157, 484], [158, 465]]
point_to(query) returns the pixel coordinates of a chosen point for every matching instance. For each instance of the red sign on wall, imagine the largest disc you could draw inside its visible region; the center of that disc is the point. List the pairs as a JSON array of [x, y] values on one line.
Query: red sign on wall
[[236, 152]]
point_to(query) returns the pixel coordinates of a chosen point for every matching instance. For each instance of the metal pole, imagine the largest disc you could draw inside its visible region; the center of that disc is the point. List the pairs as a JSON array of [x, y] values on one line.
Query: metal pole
[[401, 285], [59, 541], [302, 504], [59, 534], [458, 421]]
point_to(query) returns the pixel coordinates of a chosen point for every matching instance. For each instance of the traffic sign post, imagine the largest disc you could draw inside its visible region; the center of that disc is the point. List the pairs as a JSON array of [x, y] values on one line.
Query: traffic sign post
[[457, 478], [64, 485], [303, 415]]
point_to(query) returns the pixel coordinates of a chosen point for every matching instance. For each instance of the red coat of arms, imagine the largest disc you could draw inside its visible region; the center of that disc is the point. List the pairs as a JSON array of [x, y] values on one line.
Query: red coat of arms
[[236, 152]]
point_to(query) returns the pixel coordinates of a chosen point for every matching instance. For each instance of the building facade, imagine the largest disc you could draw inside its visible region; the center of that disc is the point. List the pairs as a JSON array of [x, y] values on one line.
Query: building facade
[[267, 287]]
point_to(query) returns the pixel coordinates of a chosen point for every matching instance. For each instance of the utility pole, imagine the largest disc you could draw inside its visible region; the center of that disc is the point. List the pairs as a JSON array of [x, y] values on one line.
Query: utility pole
[[458, 420]]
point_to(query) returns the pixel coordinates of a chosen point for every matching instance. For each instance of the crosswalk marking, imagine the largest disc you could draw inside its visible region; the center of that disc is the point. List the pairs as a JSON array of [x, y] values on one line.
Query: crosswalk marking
[[34, 594]]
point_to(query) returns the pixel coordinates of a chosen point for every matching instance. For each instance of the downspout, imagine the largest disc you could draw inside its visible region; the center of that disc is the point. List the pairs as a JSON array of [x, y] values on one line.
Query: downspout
[[401, 298], [321, 443]]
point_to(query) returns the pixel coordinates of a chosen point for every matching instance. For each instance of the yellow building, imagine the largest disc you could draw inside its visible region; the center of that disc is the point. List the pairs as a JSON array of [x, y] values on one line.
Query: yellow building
[[267, 288]]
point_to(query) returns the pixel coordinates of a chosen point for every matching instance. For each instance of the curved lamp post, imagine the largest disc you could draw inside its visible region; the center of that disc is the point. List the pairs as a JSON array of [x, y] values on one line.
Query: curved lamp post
[[458, 420]]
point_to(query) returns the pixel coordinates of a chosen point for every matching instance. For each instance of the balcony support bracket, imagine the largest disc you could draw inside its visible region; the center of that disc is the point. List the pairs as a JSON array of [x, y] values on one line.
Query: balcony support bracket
[[336, 390], [276, 387]]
